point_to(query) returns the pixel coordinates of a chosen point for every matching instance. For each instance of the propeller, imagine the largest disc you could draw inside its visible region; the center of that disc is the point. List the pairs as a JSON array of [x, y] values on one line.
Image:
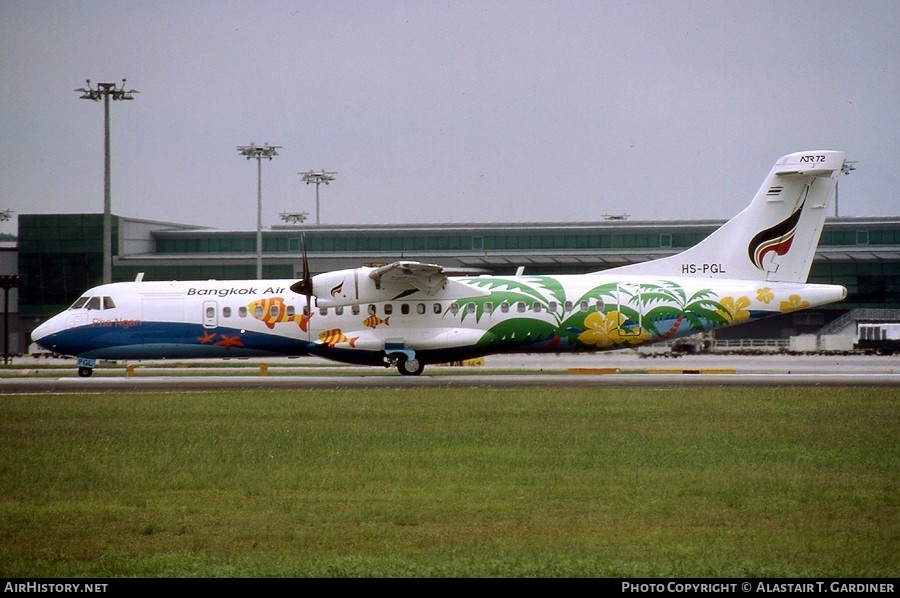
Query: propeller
[[304, 286]]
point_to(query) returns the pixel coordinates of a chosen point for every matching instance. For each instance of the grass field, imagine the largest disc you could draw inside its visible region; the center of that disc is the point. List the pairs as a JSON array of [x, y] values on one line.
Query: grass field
[[736, 482]]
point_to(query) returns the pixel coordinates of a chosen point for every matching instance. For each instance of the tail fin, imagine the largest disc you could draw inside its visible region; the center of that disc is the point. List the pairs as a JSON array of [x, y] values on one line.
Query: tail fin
[[774, 239]]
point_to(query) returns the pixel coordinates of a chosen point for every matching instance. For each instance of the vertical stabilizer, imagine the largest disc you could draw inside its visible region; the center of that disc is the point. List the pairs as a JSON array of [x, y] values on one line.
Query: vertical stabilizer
[[773, 239]]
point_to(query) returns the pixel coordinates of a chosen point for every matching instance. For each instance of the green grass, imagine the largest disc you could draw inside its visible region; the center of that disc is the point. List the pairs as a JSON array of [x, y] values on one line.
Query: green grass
[[743, 482]]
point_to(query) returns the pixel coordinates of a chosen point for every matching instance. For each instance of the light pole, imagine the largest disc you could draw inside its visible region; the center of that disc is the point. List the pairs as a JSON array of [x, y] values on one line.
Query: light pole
[[259, 152], [7, 282], [106, 91], [847, 168], [318, 177]]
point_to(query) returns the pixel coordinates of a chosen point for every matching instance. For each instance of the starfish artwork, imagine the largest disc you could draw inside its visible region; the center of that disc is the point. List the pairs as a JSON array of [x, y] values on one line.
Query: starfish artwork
[[229, 342]]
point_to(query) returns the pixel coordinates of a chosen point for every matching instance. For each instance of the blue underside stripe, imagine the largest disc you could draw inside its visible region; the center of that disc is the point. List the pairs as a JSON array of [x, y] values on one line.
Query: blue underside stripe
[[157, 340]]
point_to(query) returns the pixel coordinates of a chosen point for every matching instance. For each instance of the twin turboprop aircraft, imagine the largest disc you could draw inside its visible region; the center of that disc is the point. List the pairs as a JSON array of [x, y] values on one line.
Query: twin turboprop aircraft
[[408, 314]]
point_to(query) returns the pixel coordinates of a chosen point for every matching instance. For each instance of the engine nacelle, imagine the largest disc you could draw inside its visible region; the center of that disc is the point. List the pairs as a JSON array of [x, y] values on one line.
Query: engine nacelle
[[347, 287]]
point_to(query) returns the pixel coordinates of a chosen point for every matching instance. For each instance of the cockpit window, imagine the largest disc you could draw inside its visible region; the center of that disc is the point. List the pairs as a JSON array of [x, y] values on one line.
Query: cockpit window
[[94, 303]]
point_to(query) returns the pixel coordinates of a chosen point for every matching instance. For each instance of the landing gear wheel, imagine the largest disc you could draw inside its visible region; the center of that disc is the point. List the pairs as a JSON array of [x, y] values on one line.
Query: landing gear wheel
[[410, 367], [85, 372]]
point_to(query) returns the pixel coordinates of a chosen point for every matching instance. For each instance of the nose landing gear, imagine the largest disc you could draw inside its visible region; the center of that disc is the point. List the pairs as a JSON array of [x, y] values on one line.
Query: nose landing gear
[[85, 366]]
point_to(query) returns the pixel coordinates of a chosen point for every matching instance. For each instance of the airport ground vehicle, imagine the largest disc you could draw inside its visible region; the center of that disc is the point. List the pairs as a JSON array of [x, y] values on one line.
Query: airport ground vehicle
[[879, 338]]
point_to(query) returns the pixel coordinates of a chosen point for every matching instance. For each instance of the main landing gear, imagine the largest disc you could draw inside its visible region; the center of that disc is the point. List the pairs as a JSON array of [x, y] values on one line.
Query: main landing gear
[[410, 366], [405, 361]]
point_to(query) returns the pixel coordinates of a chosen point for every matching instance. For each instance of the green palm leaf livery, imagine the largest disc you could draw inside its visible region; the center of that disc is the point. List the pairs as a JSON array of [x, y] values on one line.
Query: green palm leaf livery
[[513, 291], [602, 292], [518, 332], [699, 309], [655, 311]]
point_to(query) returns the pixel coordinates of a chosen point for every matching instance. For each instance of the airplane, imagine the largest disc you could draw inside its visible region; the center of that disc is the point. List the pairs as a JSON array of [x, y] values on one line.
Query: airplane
[[407, 314]]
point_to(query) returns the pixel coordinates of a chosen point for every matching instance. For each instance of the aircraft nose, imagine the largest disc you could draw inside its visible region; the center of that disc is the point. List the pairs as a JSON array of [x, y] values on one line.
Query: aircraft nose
[[43, 331]]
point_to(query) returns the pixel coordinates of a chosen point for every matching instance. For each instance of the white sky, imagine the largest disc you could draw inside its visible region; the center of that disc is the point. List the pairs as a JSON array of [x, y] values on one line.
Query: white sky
[[444, 111]]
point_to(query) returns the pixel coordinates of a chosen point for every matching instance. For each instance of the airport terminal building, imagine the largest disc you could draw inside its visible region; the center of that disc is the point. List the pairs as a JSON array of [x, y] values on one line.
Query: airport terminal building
[[60, 255]]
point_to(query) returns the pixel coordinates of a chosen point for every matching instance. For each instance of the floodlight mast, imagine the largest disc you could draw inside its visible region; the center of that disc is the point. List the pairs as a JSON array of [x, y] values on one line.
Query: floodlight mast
[[106, 91], [259, 152], [294, 217], [317, 177], [847, 168]]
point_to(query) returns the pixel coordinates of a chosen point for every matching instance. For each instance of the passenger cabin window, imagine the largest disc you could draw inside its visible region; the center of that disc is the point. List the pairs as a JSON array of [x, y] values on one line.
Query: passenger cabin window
[[291, 312], [504, 307], [552, 306], [388, 309], [210, 312], [274, 311], [521, 307], [354, 309], [258, 311], [371, 309], [226, 312], [404, 308], [420, 308], [437, 308], [242, 312]]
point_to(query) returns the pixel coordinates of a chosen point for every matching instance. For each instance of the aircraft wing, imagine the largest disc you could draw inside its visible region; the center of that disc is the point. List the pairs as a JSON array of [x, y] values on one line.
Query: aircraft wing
[[428, 278]]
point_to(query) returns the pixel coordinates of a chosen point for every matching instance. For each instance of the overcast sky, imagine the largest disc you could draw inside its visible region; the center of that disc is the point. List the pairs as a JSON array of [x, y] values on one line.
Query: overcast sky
[[444, 111]]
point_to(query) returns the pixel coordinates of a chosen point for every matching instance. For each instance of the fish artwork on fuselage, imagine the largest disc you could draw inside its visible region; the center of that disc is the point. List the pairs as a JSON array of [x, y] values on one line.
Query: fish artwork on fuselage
[[406, 314], [272, 310]]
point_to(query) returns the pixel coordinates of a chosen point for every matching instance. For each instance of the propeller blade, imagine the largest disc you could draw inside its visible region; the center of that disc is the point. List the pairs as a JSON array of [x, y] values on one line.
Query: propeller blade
[[304, 285], [306, 275]]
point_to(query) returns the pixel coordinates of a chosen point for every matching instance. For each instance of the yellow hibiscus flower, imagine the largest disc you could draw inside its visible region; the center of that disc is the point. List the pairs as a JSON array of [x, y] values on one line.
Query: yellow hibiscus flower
[[733, 309], [764, 295], [605, 330], [793, 303]]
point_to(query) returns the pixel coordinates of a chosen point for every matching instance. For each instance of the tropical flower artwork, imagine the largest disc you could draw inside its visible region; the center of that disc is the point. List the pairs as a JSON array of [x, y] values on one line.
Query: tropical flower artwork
[[612, 315]]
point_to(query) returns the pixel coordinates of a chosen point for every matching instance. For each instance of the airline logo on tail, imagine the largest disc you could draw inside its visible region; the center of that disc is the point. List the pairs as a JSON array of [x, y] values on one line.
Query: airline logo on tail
[[777, 238]]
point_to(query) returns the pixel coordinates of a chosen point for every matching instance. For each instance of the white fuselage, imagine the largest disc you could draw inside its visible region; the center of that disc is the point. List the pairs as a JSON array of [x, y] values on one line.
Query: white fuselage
[[517, 313]]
